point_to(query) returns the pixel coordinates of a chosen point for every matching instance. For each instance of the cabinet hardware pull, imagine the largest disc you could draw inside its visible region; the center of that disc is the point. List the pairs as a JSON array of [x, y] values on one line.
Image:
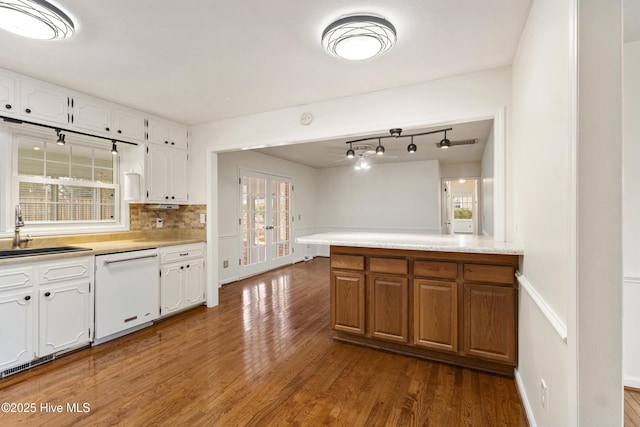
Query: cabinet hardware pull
[[130, 319], [166, 142], [119, 131], [130, 259], [182, 267], [107, 129], [27, 110], [8, 106], [47, 294], [27, 298], [184, 254]]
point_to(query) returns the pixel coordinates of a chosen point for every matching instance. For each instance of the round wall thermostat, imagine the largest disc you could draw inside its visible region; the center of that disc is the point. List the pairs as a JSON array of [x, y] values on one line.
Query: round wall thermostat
[[306, 118]]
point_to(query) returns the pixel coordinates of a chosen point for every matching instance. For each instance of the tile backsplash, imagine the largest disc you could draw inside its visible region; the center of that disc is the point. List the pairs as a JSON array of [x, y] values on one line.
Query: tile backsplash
[[186, 217]]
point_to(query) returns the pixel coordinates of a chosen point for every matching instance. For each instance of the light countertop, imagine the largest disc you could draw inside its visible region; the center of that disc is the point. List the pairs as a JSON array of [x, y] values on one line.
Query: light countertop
[[414, 241]]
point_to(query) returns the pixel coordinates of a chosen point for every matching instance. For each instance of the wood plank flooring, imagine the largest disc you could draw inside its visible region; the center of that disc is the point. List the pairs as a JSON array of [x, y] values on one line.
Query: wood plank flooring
[[631, 408], [263, 357]]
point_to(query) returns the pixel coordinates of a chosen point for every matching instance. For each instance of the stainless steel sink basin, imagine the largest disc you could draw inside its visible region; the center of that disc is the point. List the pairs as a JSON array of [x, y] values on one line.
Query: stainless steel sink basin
[[13, 253]]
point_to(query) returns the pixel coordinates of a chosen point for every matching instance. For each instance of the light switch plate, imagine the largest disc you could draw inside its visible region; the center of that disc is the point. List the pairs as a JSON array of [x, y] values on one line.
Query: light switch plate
[[203, 218], [158, 223]]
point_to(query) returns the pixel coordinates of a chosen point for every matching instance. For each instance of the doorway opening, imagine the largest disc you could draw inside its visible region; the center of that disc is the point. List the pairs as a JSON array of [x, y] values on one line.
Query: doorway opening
[[461, 206]]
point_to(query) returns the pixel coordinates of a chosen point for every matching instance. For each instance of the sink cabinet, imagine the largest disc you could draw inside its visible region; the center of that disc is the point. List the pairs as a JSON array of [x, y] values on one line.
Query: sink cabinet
[[45, 308], [458, 308]]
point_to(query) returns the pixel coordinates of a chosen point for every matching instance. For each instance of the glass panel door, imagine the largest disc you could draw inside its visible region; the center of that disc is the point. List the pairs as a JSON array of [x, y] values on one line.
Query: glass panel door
[[265, 222]]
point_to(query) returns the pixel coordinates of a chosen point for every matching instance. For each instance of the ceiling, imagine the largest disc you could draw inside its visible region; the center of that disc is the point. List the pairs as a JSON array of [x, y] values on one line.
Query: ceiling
[[332, 153], [198, 61]]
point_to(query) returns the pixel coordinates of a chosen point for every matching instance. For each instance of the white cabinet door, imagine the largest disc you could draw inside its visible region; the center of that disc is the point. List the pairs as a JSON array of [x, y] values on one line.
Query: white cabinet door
[[158, 131], [16, 328], [91, 115], [178, 182], [194, 283], [44, 104], [64, 317], [157, 174], [178, 136], [128, 124], [171, 288], [7, 95]]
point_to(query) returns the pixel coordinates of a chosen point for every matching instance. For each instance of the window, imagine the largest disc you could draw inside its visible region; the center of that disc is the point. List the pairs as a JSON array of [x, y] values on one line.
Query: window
[[69, 183], [462, 207]]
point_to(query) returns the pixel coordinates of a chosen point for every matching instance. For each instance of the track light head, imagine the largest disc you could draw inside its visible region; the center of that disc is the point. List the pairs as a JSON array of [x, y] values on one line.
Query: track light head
[[411, 148], [379, 148], [444, 142], [60, 140], [350, 153], [114, 148]]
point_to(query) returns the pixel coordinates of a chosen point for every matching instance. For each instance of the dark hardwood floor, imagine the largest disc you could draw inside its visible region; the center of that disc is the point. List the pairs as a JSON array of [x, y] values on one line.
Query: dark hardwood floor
[[263, 357]]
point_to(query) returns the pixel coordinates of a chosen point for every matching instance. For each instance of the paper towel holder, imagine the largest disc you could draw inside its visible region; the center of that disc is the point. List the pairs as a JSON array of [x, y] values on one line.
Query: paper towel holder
[[131, 187]]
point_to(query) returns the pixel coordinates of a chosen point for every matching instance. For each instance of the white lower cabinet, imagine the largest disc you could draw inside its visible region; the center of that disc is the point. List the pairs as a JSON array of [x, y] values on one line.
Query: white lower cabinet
[[45, 308], [16, 328], [182, 277], [64, 317]]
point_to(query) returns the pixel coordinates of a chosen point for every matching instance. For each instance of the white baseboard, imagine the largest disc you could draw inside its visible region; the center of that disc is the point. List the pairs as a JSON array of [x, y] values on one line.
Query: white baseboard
[[628, 381], [525, 399]]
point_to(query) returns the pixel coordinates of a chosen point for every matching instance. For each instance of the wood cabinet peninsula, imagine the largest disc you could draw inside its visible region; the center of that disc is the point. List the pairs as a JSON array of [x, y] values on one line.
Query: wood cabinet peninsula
[[448, 298]]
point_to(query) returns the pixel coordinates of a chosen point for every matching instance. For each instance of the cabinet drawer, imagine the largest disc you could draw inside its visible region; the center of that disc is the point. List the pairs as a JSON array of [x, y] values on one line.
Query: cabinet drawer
[[65, 270], [181, 253], [15, 278], [437, 269], [347, 262], [388, 265], [489, 273]]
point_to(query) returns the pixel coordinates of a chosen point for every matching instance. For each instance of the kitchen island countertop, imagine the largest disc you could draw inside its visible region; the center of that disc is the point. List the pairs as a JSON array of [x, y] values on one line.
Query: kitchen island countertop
[[414, 241]]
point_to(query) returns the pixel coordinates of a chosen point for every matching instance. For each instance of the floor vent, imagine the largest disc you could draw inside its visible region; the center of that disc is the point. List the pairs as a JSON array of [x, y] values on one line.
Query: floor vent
[[26, 366]]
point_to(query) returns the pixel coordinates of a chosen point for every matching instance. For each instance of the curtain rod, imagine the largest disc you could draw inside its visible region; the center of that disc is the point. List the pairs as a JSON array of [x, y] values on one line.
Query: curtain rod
[[58, 128]]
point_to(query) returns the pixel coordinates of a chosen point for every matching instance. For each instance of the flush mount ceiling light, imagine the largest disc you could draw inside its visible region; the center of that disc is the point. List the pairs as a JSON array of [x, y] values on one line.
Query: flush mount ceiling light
[[359, 37], [36, 19]]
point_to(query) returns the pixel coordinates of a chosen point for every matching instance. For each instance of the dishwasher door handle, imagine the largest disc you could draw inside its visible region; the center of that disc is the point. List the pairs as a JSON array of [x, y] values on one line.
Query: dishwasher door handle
[[130, 259]]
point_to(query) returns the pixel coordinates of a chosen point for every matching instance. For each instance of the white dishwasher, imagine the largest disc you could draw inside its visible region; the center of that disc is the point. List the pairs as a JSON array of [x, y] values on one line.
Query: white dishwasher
[[126, 292]]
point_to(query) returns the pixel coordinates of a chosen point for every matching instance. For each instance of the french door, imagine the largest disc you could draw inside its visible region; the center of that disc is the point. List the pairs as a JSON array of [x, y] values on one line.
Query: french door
[[265, 221]]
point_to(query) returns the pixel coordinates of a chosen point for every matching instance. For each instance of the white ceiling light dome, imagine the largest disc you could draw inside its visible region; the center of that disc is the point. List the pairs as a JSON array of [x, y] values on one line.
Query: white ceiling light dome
[[359, 37], [35, 19]]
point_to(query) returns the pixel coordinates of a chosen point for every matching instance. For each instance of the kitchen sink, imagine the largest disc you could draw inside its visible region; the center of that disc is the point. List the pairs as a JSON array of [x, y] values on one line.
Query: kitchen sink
[[13, 253]]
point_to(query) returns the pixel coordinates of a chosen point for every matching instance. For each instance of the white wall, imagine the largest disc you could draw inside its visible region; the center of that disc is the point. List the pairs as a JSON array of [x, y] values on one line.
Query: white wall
[[487, 179], [387, 197], [462, 170], [541, 154], [304, 203], [631, 215], [566, 102]]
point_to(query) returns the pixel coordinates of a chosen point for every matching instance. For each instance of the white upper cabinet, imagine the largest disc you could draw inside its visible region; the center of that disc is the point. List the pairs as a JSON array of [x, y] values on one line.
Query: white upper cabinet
[[44, 103], [128, 124], [162, 132], [7, 96], [92, 115]]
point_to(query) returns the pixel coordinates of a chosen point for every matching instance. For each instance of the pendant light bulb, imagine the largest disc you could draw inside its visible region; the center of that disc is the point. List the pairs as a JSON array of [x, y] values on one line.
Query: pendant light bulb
[[114, 148], [350, 153], [445, 143], [379, 148]]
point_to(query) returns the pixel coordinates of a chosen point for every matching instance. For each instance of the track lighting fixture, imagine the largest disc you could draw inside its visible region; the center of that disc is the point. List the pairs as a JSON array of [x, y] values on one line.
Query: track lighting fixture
[[397, 133], [60, 140], [444, 142], [114, 148], [350, 153], [411, 148]]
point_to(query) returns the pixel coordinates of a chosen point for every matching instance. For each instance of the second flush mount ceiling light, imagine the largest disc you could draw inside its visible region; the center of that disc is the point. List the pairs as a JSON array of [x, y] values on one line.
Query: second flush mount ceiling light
[[36, 19], [359, 37]]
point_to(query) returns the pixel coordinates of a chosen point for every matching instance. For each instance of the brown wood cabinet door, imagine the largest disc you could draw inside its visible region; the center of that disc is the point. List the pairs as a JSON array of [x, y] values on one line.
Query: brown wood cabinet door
[[489, 322], [347, 302], [435, 314], [389, 308]]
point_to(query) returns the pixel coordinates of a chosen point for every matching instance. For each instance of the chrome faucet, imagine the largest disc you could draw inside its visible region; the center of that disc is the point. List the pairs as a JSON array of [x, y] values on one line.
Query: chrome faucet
[[17, 240]]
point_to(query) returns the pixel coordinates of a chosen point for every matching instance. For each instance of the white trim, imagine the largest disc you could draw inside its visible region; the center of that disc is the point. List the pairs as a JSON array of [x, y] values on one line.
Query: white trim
[[525, 399], [631, 382], [228, 280], [544, 307], [227, 236], [499, 177], [635, 280]]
